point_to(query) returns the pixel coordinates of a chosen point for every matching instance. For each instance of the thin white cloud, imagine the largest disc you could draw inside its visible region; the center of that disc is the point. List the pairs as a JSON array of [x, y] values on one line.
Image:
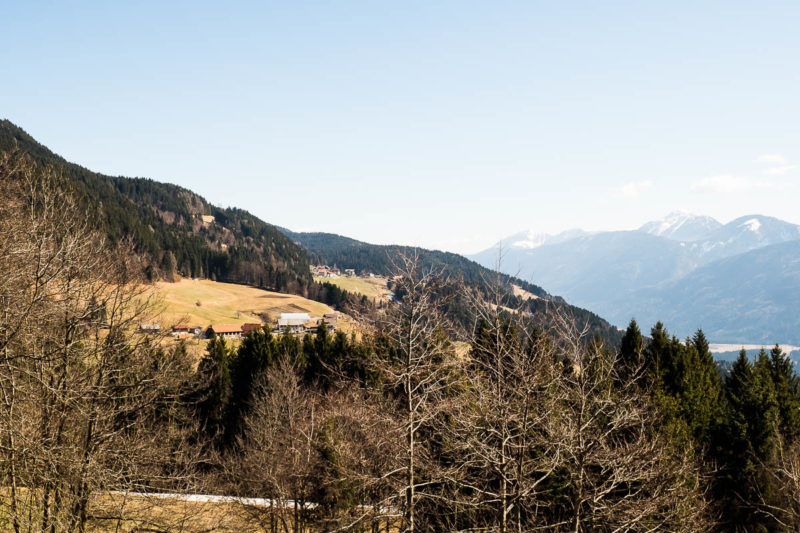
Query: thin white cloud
[[779, 170], [635, 189], [727, 184], [773, 159]]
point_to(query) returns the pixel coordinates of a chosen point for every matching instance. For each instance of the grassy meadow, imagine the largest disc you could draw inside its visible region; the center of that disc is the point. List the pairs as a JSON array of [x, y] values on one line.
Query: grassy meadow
[[372, 288], [205, 302]]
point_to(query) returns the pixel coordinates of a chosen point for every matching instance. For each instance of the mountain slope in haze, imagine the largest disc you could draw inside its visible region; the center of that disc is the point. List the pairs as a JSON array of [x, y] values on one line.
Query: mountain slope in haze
[[754, 296], [621, 275], [614, 259], [594, 269], [166, 224], [742, 235], [528, 240]]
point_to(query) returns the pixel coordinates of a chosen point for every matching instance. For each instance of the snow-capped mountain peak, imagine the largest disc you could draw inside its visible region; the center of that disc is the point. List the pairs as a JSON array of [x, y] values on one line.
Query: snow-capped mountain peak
[[682, 226], [527, 240], [530, 240], [753, 224]]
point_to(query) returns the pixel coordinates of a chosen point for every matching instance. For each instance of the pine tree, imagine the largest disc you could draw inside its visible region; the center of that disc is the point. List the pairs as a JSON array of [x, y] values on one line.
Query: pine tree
[[214, 387], [686, 385], [701, 397], [656, 353], [752, 439], [632, 347], [787, 393], [257, 352], [320, 359]]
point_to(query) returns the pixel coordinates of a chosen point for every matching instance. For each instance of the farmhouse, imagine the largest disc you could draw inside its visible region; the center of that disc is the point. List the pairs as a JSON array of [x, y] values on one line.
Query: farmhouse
[[330, 320], [224, 330], [182, 329], [294, 323]]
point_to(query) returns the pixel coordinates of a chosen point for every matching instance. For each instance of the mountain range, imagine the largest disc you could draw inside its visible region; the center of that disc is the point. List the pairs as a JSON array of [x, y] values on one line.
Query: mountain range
[[739, 282]]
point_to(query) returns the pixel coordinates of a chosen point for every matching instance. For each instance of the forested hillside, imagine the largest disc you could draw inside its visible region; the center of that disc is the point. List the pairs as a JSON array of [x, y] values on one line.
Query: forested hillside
[[165, 224], [344, 252]]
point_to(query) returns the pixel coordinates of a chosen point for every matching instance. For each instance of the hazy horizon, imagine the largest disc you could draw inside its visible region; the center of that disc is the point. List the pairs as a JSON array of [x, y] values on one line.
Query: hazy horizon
[[448, 126]]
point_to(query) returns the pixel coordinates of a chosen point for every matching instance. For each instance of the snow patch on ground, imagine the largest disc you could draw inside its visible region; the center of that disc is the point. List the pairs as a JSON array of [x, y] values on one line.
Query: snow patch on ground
[[211, 498]]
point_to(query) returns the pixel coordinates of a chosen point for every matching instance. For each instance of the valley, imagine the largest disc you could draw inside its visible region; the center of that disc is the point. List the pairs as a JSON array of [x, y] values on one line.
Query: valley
[[400, 267]]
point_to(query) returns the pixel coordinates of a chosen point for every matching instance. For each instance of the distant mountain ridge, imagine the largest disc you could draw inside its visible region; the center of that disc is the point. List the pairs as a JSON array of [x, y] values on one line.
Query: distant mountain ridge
[[530, 240], [682, 226], [676, 269], [754, 295], [744, 234]]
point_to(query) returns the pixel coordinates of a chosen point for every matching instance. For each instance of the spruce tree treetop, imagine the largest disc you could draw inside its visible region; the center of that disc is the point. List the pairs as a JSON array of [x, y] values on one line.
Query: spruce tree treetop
[[632, 347]]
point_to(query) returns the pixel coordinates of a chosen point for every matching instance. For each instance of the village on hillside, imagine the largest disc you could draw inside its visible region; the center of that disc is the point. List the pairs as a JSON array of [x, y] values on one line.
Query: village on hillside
[[374, 286], [325, 271]]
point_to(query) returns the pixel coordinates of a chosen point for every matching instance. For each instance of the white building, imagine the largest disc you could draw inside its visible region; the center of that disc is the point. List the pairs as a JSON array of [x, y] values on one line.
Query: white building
[[293, 322]]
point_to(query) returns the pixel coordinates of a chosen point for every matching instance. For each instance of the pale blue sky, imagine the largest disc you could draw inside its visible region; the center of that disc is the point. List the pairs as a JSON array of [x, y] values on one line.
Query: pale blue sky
[[443, 124]]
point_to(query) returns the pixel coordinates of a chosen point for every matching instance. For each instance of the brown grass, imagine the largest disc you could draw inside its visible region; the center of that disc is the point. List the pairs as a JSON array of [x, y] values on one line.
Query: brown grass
[[227, 303], [372, 288]]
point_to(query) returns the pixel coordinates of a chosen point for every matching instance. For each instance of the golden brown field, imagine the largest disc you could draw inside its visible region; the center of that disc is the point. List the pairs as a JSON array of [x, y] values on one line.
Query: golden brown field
[[372, 288], [205, 302]]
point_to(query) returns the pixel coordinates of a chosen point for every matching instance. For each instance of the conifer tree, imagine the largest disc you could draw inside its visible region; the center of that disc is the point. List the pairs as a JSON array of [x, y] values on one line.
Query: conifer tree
[[214, 386], [631, 349], [255, 355], [656, 352], [752, 440], [787, 393], [686, 385], [701, 394]]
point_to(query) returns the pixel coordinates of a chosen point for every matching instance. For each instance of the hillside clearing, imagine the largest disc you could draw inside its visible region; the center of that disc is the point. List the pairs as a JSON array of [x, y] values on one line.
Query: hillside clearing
[[205, 302], [372, 288], [525, 295]]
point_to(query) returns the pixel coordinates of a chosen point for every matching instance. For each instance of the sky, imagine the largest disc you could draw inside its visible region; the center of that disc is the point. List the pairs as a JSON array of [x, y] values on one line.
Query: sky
[[448, 125]]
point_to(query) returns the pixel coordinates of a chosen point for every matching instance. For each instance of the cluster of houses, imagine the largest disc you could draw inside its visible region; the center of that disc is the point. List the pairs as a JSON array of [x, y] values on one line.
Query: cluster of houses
[[294, 323], [324, 271]]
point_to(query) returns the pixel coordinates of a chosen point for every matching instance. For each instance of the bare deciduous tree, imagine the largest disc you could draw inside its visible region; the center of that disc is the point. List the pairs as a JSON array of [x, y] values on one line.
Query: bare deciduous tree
[[279, 448], [418, 374], [505, 428], [620, 473], [80, 392]]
